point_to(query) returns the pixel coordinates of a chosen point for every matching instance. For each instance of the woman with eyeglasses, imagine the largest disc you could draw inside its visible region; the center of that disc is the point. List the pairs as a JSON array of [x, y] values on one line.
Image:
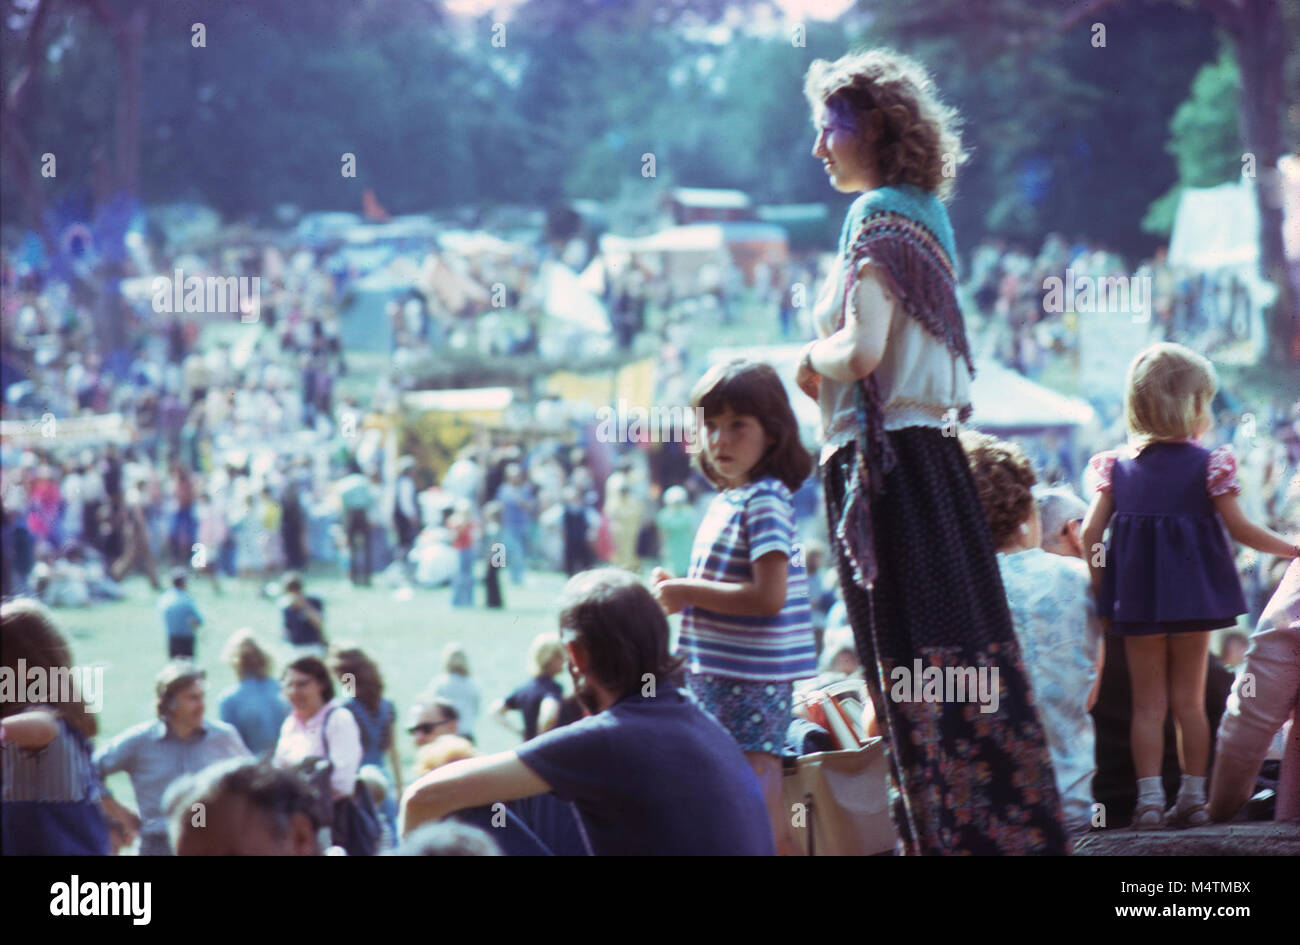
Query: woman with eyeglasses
[[310, 690]]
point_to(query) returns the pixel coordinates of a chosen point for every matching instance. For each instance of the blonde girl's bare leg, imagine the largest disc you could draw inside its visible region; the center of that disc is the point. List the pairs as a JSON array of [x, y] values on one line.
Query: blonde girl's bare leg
[[1187, 669], [1147, 666]]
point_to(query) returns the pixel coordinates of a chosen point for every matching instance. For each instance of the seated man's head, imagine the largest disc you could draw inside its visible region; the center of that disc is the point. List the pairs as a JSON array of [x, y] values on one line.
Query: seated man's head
[[1061, 513], [242, 808], [431, 717], [616, 636]]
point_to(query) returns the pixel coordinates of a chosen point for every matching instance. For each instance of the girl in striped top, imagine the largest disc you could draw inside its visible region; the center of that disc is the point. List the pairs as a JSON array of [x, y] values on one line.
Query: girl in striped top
[[49, 796], [746, 623]]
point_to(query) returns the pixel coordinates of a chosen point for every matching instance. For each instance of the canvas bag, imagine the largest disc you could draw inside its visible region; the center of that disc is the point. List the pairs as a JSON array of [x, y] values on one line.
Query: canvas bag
[[845, 798]]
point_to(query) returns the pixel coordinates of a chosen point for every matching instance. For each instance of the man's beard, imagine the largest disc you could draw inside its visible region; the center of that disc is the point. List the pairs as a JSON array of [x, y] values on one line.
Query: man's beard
[[586, 696], [583, 691]]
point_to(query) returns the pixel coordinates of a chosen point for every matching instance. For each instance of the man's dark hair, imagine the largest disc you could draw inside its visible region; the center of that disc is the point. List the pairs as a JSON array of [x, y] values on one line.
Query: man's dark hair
[[314, 667], [275, 793], [617, 621], [448, 838], [446, 708]]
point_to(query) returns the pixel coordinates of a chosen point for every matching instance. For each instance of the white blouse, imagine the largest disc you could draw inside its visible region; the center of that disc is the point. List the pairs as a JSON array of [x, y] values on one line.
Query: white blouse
[[300, 740], [919, 379]]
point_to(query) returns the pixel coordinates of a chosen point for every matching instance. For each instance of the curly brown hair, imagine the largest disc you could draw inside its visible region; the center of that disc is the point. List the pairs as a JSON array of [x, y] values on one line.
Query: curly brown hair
[[1003, 478], [917, 139]]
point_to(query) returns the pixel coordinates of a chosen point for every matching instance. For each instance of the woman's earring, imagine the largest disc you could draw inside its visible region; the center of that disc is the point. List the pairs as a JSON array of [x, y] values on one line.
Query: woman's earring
[[1024, 528]]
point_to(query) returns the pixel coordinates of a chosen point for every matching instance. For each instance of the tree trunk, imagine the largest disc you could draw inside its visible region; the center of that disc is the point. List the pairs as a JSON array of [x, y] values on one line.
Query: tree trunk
[[128, 36], [1259, 37], [14, 140]]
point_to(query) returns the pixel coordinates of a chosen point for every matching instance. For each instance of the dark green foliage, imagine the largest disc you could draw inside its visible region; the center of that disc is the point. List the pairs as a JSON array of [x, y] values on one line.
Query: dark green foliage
[[1065, 136]]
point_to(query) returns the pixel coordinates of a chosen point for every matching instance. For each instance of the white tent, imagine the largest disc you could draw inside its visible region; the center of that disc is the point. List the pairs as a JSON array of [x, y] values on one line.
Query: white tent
[[1216, 226], [477, 242], [1216, 231], [1219, 226], [1005, 400]]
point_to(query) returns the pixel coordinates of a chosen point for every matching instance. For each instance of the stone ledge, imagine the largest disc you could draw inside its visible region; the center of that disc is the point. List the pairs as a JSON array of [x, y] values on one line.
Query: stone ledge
[[1265, 838]]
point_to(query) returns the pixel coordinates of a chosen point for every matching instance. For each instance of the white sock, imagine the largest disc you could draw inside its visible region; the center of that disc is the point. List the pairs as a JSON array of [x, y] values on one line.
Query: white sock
[[1191, 791], [1151, 791]]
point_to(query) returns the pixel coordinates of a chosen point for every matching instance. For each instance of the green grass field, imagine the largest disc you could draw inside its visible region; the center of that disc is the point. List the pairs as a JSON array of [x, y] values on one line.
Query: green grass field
[[405, 637]]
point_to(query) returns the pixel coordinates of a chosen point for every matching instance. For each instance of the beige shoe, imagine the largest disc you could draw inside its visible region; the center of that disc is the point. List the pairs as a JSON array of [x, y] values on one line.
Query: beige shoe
[[1193, 815], [1149, 817]]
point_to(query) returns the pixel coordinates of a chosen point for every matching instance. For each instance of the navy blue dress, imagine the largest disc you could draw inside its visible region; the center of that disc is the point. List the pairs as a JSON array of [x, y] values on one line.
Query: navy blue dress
[[1169, 561]]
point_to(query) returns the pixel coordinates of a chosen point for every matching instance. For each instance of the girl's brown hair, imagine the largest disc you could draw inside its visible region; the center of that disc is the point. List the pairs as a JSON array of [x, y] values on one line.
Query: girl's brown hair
[[752, 388], [367, 683], [28, 633], [915, 139], [1003, 480], [1167, 390]]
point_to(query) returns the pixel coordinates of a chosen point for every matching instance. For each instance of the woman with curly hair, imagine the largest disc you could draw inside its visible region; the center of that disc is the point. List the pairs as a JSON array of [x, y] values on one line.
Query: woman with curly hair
[[891, 371]]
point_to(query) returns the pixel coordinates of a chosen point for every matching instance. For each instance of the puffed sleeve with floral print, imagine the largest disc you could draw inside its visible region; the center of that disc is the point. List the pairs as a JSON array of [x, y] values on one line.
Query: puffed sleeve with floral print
[[1221, 472], [1099, 471]]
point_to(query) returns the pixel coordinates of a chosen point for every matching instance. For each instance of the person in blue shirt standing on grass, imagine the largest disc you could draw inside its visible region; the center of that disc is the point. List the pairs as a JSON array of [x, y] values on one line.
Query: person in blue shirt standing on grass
[[254, 706], [181, 618]]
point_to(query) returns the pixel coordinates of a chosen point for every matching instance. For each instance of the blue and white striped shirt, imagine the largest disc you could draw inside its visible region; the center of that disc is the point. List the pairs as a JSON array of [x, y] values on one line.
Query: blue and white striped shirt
[[741, 526], [59, 772]]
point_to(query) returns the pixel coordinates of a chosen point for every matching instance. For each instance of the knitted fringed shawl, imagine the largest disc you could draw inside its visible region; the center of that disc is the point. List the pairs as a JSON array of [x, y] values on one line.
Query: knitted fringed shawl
[[905, 230]]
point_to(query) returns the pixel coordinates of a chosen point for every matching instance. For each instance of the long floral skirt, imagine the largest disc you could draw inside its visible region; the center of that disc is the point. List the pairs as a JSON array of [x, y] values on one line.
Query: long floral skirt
[[965, 777]]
